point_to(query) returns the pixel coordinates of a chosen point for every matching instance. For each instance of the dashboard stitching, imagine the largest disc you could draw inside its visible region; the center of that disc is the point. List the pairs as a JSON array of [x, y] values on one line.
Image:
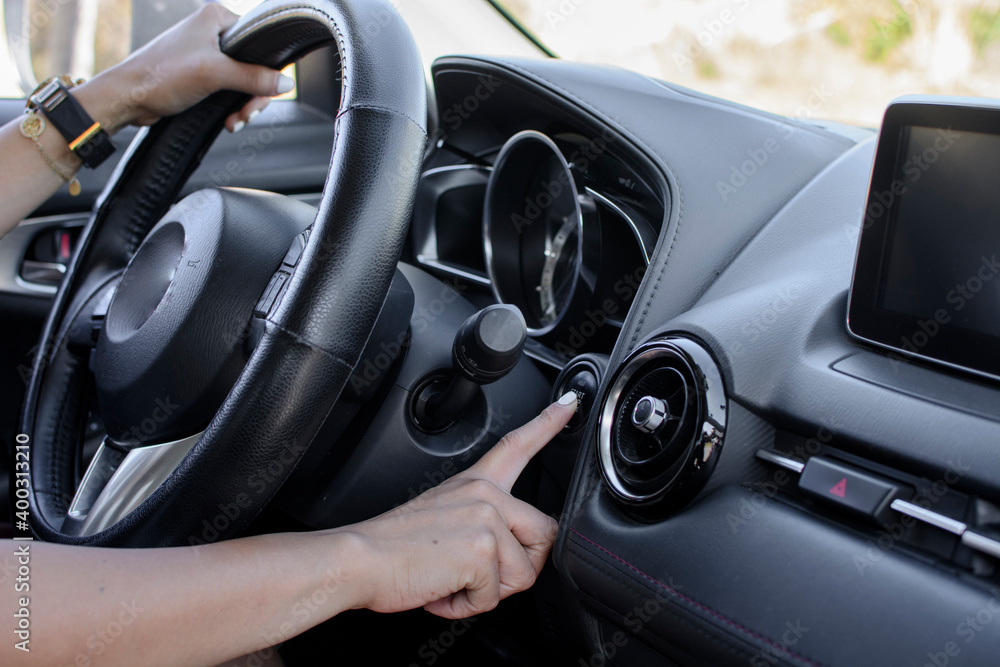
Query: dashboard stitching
[[376, 107], [635, 140], [632, 585], [783, 121], [774, 645], [659, 278]]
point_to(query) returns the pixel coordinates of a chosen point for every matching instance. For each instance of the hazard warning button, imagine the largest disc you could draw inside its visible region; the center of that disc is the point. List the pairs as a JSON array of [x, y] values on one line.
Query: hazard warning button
[[851, 488]]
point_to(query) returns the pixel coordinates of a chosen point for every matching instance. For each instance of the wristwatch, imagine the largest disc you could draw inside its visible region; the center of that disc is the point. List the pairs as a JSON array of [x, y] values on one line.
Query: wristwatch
[[86, 137]]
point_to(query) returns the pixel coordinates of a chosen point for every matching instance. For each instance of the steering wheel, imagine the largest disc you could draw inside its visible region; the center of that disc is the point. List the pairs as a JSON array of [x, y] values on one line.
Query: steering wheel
[[201, 398]]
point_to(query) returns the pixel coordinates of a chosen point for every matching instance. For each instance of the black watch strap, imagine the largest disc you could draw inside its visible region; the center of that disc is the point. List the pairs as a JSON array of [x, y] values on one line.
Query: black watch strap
[[85, 136]]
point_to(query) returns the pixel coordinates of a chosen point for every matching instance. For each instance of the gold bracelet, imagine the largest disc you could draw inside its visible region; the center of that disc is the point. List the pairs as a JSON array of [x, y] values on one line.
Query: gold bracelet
[[32, 126]]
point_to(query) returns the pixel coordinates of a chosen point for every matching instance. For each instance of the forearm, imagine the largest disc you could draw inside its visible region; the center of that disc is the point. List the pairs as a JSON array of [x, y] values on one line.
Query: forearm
[[165, 77], [456, 550], [26, 178], [184, 606]]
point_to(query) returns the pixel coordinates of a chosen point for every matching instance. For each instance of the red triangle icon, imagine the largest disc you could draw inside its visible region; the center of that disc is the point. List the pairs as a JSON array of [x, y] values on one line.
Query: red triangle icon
[[840, 488]]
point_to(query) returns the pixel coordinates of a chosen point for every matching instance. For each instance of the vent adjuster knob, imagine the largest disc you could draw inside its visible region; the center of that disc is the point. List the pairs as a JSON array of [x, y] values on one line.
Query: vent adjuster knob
[[650, 414]]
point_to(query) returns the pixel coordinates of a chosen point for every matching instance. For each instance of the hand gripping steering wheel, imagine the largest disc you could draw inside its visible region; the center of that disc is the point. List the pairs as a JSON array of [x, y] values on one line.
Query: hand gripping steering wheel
[[150, 314]]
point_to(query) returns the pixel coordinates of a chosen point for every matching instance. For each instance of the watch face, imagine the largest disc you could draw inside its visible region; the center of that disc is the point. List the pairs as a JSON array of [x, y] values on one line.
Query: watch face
[[86, 139], [64, 79], [39, 97]]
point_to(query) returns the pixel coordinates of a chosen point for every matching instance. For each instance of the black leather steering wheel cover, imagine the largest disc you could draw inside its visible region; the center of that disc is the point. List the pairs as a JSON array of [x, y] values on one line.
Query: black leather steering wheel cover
[[314, 340]]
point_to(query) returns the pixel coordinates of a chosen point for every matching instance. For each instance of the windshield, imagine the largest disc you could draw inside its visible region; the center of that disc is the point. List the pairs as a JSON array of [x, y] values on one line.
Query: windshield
[[840, 60], [82, 37]]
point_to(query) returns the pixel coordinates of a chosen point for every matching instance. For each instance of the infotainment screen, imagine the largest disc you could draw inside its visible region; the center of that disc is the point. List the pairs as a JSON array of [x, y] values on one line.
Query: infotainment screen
[[927, 277]]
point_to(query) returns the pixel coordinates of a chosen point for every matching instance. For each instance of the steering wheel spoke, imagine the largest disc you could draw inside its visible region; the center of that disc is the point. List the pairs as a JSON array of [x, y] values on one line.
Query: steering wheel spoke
[[116, 482]]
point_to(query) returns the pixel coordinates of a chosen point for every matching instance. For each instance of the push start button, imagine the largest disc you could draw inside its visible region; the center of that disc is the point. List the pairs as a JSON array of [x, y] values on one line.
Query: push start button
[[583, 377], [584, 384]]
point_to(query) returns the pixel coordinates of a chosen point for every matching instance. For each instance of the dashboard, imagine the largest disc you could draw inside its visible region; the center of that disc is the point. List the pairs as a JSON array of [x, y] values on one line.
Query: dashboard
[[747, 482]]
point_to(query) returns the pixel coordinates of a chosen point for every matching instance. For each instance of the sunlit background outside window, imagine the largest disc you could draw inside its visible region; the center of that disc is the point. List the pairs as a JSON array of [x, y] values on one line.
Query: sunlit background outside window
[[83, 37], [827, 59], [823, 59]]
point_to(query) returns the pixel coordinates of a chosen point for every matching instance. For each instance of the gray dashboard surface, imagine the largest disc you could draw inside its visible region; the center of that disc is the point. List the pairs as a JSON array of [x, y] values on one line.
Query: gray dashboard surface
[[760, 272]]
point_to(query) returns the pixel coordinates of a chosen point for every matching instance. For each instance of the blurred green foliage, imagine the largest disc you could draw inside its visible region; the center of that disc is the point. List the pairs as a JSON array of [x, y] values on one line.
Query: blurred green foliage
[[838, 33], [884, 36], [984, 27], [707, 69]]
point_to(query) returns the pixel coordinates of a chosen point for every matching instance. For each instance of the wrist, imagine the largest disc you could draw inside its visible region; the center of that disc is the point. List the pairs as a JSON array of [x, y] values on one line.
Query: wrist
[[107, 99], [344, 571], [54, 103]]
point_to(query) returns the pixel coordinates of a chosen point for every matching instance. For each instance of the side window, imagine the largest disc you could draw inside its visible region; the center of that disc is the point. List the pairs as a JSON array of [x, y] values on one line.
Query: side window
[[42, 38]]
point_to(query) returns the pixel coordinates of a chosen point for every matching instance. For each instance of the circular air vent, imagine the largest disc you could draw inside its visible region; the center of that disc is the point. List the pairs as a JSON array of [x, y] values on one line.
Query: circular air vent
[[662, 424]]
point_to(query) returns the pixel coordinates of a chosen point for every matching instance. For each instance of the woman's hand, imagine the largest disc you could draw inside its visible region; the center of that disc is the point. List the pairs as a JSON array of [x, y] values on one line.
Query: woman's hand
[[460, 548], [457, 550], [177, 70]]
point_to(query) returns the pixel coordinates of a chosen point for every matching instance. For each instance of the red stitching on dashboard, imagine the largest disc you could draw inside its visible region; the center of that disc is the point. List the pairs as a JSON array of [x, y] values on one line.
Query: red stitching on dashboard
[[697, 604]]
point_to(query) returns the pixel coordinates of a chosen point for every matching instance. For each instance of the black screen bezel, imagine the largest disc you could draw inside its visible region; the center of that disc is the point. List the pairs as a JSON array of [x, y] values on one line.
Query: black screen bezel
[[954, 346]]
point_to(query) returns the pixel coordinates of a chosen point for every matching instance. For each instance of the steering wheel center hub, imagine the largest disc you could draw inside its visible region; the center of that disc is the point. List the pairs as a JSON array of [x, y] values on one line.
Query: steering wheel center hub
[[172, 343], [148, 280]]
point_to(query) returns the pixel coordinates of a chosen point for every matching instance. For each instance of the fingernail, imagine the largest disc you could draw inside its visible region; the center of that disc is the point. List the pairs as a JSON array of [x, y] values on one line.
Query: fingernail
[[238, 126], [569, 398], [285, 84], [253, 114]]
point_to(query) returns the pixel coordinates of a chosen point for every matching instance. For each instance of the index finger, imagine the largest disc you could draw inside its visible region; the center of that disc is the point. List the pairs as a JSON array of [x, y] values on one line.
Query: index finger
[[504, 462]]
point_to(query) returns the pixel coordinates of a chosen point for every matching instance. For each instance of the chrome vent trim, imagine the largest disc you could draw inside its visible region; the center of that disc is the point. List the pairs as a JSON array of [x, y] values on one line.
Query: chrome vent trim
[[688, 464]]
